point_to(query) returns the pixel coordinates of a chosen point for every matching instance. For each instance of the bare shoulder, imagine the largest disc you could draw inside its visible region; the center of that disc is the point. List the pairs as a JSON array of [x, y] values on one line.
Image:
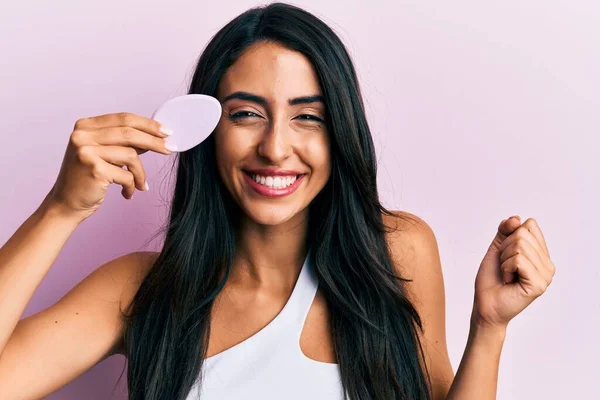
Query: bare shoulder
[[115, 284], [128, 272], [415, 254], [119, 278], [412, 244]]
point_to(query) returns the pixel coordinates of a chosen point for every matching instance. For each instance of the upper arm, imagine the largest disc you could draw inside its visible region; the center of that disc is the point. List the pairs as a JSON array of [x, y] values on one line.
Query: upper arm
[[49, 349], [414, 250]]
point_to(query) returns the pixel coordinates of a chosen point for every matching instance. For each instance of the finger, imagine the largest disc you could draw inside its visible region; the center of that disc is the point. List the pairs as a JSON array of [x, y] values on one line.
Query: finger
[[529, 277], [124, 119], [547, 266], [124, 156], [509, 225], [127, 136], [523, 233], [505, 229], [525, 248], [532, 226], [119, 176]]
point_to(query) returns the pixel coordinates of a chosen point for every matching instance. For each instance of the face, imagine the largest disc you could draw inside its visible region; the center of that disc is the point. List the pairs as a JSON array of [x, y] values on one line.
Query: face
[[272, 146]]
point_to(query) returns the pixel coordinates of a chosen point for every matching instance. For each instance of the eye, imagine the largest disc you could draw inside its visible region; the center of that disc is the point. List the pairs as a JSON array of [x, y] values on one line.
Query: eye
[[249, 114], [242, 115], [311, 118]]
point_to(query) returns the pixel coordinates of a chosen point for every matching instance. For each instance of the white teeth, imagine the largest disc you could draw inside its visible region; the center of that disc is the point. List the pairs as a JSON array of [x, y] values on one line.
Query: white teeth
[[275, 182]]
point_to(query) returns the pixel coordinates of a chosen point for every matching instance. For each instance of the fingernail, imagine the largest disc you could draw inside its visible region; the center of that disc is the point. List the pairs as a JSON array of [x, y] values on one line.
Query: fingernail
[[170, 146], [146, 185], [166, 131]]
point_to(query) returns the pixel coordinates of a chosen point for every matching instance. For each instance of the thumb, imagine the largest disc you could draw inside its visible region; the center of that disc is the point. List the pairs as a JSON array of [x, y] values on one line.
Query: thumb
[[505, 229]]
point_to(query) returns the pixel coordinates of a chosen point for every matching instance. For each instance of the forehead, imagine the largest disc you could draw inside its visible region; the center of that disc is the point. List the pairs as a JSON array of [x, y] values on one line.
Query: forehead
[[272, 71]]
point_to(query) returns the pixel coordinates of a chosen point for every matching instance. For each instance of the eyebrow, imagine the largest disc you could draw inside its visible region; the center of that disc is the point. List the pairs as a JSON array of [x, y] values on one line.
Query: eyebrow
[[263, 102]]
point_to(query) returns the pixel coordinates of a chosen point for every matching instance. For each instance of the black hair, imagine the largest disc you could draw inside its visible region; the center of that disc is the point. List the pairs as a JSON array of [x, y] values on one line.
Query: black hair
[[373, 323]]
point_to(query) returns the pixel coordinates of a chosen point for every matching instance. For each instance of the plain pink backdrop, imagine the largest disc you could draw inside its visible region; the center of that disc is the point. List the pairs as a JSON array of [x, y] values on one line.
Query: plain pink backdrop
[[480, 110]]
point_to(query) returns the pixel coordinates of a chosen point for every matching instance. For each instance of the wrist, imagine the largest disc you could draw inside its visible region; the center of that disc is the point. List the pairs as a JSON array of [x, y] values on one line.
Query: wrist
[[482, 332], [55, 211]]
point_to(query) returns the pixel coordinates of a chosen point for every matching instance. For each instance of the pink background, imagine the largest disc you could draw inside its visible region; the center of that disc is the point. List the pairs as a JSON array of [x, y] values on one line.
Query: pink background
[[480, 110]]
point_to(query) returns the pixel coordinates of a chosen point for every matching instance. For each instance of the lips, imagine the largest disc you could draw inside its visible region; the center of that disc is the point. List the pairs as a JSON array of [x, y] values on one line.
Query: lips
[[267, 191]]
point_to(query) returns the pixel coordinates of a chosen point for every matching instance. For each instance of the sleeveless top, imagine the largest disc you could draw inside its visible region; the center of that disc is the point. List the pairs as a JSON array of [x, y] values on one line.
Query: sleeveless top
[[270, 365]]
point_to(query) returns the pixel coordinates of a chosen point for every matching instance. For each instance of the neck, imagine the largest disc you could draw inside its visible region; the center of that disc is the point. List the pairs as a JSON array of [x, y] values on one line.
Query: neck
[[270, 256]]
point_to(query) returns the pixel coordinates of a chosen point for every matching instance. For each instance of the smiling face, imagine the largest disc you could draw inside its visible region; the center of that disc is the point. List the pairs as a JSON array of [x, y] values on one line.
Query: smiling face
[[272, 146]]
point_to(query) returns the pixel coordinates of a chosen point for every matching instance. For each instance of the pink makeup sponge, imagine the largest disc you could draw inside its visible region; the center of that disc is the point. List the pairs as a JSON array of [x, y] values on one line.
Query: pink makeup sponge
[[192, 118]]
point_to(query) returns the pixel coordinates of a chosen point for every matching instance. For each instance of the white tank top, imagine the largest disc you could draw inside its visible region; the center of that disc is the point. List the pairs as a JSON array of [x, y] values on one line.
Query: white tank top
[[270, 365]]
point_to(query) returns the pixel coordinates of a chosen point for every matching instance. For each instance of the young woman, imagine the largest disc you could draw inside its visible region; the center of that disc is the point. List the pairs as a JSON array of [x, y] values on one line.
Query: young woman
[[281, 276]]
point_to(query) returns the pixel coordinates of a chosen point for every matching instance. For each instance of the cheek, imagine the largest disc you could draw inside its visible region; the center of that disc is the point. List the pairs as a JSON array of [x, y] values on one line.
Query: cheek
[[226, 155], [230, 147], [318, 156]]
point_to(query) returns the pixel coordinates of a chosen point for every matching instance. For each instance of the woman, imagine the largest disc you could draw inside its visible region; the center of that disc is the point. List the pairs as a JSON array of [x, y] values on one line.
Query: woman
[[281, 275]]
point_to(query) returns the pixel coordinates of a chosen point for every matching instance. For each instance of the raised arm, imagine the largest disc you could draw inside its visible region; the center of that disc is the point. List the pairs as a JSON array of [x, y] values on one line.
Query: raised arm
[[514, 272], [45, 351], [25, 259]]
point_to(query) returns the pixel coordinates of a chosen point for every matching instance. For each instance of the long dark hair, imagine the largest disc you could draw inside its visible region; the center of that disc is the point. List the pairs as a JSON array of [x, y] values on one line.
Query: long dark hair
[[373, 323]]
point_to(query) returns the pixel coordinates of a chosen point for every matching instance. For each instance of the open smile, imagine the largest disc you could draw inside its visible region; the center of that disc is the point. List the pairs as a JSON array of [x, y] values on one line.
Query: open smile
[[275, 183]]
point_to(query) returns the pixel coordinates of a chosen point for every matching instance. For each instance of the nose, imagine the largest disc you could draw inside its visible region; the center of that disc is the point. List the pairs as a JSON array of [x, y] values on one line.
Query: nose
[[275, 144]]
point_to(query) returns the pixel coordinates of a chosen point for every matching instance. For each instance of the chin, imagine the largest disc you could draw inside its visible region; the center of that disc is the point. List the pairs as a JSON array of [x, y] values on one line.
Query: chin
[[273, 215]]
